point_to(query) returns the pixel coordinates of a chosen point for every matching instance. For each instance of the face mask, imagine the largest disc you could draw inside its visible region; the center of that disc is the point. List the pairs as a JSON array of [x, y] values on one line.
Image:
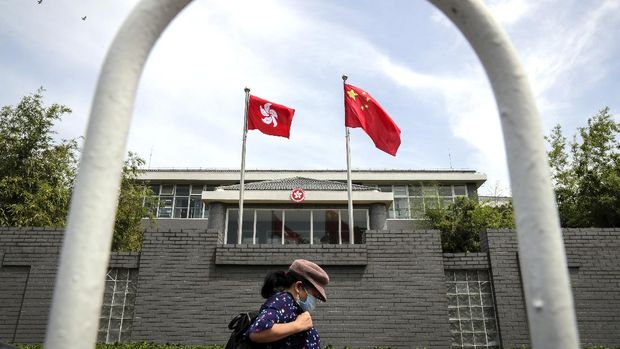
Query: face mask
[[309, 303]]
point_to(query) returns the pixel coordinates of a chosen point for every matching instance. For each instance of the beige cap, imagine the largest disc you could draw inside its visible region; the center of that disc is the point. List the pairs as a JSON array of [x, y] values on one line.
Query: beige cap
[[313, 273]]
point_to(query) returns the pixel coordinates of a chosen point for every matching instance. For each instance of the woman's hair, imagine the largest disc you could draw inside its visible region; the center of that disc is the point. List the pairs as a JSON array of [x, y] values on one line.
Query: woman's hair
[[278, 281]]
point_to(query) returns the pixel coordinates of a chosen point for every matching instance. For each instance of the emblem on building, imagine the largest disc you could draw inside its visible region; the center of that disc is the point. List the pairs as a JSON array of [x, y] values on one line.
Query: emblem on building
[[298, 195], [270, 115]]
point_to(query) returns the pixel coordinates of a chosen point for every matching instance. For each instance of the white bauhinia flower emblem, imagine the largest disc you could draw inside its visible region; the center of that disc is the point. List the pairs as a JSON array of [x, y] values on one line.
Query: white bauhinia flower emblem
[[297, 194], [270, 115]]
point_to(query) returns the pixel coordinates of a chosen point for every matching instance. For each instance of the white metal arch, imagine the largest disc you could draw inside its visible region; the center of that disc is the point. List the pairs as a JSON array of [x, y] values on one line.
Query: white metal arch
[[78, 292]]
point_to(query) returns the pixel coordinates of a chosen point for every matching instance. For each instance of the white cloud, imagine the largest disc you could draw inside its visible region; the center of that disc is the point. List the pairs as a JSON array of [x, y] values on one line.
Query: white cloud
[[190, 101], [193, 84], [510, 12], [564, 46], [470, 111], [565, 53]]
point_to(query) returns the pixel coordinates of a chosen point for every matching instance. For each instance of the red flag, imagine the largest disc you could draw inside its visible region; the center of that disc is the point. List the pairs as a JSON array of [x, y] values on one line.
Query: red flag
[[361, 110], [269, 118]]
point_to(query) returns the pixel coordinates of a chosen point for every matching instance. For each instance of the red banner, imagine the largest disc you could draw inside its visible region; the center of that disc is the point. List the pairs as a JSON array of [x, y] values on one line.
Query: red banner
[[269, 118], [361, 110]]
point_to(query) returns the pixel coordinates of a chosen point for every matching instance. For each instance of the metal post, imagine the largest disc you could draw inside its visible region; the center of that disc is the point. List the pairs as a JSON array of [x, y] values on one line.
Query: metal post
[[78, 293], [242, 180], [349, 184], [550, 308]]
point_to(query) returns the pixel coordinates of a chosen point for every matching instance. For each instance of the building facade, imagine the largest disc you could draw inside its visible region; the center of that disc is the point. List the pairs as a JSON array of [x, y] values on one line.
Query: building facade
[[186, 195]]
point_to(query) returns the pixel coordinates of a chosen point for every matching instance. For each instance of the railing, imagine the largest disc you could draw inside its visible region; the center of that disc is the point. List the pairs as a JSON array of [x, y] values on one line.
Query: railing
[[78, 292]]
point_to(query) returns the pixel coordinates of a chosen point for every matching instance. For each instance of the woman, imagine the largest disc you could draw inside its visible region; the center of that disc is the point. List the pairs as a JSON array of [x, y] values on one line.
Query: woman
[[284, 320]]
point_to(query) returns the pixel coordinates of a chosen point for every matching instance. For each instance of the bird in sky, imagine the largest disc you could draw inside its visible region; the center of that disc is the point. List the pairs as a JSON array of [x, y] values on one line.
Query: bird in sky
[[40, 1], [83, 18]]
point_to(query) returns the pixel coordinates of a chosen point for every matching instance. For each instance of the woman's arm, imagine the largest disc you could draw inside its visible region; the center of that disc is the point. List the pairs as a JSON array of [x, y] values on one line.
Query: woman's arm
[[279, 331]]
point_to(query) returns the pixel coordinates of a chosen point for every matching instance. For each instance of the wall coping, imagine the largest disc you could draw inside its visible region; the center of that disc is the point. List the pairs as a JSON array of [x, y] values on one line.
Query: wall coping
[[266, 254]]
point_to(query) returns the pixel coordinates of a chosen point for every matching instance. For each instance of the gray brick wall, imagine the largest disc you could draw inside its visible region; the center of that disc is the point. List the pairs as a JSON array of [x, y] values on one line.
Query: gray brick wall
[[28, 263], [465, 261], [594, 265], [164, 224], [501, 247], [35, 250], [172, 304], [390, 291], [12, 287], [285, 254]]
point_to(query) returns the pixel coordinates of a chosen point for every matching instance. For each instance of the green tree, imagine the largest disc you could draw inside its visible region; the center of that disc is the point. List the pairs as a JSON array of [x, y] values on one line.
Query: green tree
[[462, 222], [587, 177], [36, 172], [134, 201]]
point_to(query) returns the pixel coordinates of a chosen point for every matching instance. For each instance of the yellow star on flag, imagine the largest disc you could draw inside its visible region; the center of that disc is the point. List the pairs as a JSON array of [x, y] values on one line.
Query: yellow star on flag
[[352, 94]]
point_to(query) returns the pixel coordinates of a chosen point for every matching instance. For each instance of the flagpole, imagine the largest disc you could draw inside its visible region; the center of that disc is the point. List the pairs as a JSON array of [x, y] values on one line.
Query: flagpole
[[242, 181], [349, 184]]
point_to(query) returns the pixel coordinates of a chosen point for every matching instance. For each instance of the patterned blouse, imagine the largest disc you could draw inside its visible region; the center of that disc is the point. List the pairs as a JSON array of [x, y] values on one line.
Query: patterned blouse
[[282, 308]]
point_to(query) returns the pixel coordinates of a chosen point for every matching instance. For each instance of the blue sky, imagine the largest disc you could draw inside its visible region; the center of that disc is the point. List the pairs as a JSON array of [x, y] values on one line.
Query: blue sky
[[189, 108]]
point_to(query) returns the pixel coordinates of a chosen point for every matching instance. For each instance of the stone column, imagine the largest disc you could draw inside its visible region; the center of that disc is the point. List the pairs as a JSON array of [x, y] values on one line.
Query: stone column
[[217, 216], [378, 216]]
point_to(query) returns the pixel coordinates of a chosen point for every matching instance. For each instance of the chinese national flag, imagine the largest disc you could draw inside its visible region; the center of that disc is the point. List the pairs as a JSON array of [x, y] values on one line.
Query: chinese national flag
[[269, 118], [361, 110]]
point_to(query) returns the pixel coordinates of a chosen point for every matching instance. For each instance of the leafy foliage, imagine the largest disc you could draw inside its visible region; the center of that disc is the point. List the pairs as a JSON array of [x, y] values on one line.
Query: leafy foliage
[[462, 222], [128, 229], [587, 179], [36, 173]]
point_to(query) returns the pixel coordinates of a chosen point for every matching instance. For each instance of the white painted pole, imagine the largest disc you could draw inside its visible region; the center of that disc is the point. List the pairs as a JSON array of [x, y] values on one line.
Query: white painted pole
[[349, 184], [548, 295], [242, 180], [78, 292]]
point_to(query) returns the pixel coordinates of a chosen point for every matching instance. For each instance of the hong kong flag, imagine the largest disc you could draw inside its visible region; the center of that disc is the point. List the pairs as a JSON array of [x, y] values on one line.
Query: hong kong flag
[[269, 118], [361, 110]]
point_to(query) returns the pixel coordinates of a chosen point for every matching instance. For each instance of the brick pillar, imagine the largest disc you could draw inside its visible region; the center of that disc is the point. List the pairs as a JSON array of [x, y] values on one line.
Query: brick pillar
[[378, 216]]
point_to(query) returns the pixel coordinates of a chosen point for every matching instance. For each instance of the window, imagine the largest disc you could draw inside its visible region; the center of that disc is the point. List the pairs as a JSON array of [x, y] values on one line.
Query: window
[[296, 226], [152, 199], [471, 309], [401, 207], [181, 207], [167, 189], [195, 206], [247, 235], [116, 320], [359, 226], [326, 226], [412, 201], [178, 201], [165, 206], [385, 188], [417, 207], [268, 226], [460, 190], [400, 190]]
